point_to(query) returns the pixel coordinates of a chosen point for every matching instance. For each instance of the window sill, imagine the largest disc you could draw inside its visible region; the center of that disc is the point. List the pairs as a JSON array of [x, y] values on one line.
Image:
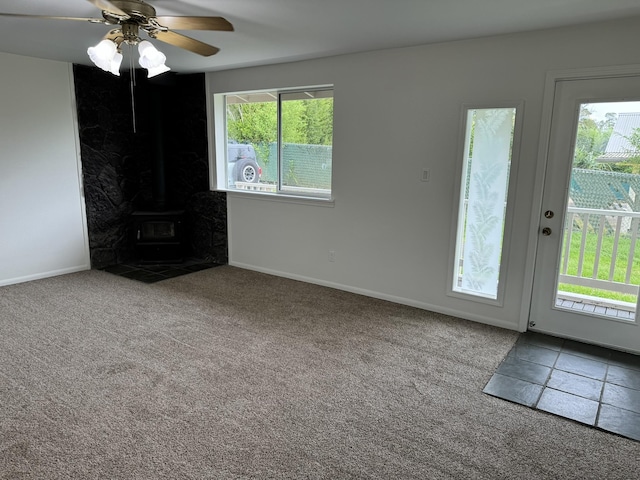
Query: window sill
[[280, 197], [478, 298]]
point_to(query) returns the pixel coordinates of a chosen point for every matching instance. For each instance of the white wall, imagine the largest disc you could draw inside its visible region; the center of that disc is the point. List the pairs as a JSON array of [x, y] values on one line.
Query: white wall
[[397, 112], [42, 219]]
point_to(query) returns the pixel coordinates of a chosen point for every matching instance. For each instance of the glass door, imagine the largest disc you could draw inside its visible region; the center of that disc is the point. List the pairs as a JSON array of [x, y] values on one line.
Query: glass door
[[588, 263]]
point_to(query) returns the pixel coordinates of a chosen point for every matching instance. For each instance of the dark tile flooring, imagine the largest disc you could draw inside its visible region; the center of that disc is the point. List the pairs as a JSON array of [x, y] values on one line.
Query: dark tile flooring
[[151, 273], [586, 383]]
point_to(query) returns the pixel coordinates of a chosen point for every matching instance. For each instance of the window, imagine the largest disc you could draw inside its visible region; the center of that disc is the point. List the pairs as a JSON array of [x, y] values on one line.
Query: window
[[277, 141], [482, 212]]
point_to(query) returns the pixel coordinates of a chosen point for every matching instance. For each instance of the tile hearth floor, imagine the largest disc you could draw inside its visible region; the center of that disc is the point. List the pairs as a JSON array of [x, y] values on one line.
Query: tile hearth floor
[[586, 383], [152, 273]]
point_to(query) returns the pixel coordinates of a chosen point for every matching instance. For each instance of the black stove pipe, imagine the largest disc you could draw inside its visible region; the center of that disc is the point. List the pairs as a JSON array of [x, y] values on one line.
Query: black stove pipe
[[159, 185]]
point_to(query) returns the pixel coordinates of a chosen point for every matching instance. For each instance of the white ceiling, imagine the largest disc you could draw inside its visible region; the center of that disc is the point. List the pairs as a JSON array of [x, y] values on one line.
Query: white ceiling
[[273, 31]]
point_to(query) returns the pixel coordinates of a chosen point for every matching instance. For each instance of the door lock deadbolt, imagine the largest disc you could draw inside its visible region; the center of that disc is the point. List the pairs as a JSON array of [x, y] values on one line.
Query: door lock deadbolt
[[548, 214], [546, 231]]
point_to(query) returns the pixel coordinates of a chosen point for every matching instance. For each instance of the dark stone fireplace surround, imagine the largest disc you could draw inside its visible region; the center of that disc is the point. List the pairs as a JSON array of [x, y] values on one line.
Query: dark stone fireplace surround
[[162, 166]]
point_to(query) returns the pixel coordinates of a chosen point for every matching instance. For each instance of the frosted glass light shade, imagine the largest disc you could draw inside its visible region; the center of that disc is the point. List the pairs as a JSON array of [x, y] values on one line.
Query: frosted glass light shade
[[152, 59], [115, 64], [105, 55], [153, 71]]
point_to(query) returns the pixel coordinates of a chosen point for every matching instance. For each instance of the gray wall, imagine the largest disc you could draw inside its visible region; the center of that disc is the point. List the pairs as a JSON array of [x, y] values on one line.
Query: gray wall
[[397, 112], [42, 220]]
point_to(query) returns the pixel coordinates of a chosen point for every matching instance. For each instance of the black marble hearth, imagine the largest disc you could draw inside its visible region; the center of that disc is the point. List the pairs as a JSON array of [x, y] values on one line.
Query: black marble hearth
[[157, 272]]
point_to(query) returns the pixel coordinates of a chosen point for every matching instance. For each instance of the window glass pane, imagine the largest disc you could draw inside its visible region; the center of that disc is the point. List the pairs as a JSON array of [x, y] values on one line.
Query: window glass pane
[[307, 139], [599, 269], [279, 141], [484, 187], [252, 131]]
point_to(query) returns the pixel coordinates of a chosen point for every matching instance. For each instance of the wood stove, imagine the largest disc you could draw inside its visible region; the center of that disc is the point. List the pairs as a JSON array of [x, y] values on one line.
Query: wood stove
[[159, 236]]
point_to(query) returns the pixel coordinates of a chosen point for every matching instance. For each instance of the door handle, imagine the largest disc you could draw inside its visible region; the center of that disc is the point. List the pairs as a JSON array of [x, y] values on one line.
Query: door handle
[[546, 231]]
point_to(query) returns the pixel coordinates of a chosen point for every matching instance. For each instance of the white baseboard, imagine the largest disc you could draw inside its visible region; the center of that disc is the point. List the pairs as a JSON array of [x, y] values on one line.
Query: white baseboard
[[41, 275], [382, 296]]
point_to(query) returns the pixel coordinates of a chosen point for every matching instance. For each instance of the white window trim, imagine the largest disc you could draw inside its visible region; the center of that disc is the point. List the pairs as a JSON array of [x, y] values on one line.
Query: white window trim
[[282, 197], [218, 157], [455, 214]]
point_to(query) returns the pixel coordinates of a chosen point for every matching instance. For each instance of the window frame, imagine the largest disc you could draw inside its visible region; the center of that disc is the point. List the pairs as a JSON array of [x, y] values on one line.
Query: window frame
[[218, 143], [457, 213]]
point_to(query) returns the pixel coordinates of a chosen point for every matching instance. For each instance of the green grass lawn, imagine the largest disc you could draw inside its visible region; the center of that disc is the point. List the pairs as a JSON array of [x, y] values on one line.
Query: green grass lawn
[[604, 265]]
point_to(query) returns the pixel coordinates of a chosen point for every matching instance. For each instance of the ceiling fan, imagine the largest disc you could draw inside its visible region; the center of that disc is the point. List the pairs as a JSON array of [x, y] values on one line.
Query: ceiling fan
[[131, 16]]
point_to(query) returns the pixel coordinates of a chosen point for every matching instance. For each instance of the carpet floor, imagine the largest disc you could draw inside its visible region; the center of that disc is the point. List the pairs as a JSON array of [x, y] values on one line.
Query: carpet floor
[[231, 374]]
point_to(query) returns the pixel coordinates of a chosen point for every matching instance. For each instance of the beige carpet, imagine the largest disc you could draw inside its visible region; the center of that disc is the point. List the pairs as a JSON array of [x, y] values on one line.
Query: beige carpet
[[228, 373]]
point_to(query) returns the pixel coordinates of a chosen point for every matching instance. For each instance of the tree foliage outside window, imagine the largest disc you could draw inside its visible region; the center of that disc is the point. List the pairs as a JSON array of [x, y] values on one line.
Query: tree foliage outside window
[[633, 164], [591, 140], [252, 123], [308, 122], [593, 136]]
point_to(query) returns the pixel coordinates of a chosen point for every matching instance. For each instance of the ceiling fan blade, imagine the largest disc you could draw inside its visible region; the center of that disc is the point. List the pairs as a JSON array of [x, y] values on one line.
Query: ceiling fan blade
[[188, 43], [107, 6], [195, 23], [48, 17]]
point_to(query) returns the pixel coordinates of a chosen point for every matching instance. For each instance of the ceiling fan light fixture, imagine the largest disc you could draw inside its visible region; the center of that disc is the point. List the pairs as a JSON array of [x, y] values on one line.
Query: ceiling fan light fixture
[[152, 59], [105, 55], [131, 16], [115, 64], [153, 71]]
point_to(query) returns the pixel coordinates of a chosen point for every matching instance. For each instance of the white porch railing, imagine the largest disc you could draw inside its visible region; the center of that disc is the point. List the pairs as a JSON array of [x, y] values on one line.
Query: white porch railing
[[617, 224]]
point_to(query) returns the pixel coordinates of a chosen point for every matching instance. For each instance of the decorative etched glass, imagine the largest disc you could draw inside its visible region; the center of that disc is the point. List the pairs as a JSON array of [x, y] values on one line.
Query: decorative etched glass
[[483, 196]]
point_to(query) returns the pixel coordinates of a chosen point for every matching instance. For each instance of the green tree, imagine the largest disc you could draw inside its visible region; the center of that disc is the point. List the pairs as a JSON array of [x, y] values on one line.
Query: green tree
[[293, 121], [319, 121], [633, 164], [591, 140], [303, 121], [253, 123]]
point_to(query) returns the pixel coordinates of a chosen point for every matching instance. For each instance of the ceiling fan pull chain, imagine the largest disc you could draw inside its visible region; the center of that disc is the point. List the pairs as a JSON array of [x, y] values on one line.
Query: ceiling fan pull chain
[[132, 75]]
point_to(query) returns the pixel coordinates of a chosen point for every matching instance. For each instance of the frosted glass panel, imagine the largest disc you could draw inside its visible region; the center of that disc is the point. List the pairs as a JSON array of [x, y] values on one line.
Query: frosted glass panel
[[485, 180]]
